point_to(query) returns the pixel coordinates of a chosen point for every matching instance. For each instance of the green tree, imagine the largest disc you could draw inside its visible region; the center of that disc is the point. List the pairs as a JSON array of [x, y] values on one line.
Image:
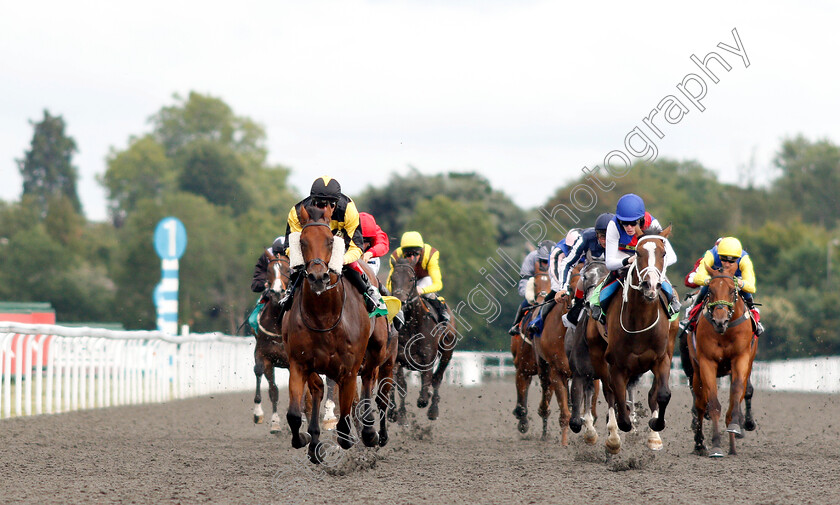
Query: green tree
[[810, 169], [213, 171], [47, 167]]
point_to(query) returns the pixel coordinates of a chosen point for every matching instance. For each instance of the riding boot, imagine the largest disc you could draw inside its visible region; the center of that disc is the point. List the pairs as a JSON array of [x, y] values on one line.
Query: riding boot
[[294, 279], [520, 312], [399, 320], [440, 308], [599, 312], [372, 298], [674, 304], [756, 315], [573, 315], [536, 327]]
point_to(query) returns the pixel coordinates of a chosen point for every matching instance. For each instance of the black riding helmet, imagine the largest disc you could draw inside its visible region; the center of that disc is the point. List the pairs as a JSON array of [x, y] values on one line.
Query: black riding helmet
[[603, 220], [544, 250], [279, 246], [325, 188]]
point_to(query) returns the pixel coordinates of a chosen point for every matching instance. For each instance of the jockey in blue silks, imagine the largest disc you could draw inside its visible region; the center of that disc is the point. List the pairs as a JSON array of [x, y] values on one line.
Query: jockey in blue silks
[[593, 241], [526, 280], [558, 254], [623, 232]]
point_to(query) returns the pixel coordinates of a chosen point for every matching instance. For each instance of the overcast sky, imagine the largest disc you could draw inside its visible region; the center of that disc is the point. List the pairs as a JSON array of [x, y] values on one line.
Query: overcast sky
[[523, 92]]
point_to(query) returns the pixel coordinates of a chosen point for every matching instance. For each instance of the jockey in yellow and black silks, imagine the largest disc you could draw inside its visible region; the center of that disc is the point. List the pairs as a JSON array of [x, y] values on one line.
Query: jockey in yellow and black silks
[[325, 192], [426, 260]]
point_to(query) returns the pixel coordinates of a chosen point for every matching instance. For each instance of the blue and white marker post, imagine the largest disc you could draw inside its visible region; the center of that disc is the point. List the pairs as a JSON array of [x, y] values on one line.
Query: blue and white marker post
[[170, 244]]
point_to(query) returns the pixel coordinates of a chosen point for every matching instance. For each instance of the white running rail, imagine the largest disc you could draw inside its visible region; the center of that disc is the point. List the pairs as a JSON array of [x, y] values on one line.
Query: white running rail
[[51, 369]]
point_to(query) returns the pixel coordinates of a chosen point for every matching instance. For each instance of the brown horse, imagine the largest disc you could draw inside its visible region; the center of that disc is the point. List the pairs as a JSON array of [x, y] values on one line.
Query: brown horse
[[421, 341], [551, 352], [585, 383], [378, 367], [270, 351], [638, 338], [325, 331], [527, 363], [722, 345]]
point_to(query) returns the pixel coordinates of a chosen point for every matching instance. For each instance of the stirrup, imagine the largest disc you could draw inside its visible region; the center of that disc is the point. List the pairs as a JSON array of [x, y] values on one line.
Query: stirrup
[[599, 315], [514, 330]]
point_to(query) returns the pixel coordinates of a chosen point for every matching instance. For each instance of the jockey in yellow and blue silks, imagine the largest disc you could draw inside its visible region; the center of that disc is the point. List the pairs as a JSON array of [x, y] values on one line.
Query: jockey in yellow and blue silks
[[623, 233], [534, 261], [326, 192], [729, 250], [425, 260]]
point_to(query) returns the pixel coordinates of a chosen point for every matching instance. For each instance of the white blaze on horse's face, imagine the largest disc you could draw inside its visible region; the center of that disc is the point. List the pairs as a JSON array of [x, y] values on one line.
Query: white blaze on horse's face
[[652, 273], [277, 285]]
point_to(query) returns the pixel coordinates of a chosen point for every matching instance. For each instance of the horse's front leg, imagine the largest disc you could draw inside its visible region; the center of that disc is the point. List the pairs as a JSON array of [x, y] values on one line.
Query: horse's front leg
[[383, 402], [660, 393], [544, 410], [749, 421], [445, 351], [293, 415], [708, 390], [364, 409], [316, 389], [397, 413], [346, 397], [700, 396], [618, 384], [523, 381], [737, 391], [560, 384], [274, 395], [259, 370], [590, 436], [576, 403], [329, 407]]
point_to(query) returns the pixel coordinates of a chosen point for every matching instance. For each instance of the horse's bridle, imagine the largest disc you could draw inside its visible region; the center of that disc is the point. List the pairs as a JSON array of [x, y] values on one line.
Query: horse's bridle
[[730, 306], [413, 292], [628, 284], [319, 261]]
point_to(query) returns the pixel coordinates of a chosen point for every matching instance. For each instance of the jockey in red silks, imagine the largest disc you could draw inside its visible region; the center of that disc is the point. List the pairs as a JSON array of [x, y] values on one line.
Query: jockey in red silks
[[376, 243]]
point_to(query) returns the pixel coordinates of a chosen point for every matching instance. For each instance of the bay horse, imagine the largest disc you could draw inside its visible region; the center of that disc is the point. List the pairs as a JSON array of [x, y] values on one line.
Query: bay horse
[[270, 351], [326, 331], [551, 353], [721, 345], [526, 361], [421, 341], [585, 383], [638, 338]]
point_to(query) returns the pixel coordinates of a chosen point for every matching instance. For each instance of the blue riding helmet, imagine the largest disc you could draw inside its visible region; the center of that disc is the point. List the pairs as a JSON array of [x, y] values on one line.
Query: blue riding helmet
[[630, 207], [544, 250], [602, 221]]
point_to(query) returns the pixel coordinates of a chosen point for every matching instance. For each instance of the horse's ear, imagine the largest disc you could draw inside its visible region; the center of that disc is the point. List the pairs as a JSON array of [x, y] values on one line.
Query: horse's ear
[[328, 212], [588, 256], [667, 231], [303, 215]]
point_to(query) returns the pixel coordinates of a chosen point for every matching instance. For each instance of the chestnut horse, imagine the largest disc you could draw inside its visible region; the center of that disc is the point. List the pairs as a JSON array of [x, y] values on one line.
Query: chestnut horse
[[421, 342], [526, 362], [270, 351], [721, 345], [325, 331], [551, 352], [585, 383], [638, 338]]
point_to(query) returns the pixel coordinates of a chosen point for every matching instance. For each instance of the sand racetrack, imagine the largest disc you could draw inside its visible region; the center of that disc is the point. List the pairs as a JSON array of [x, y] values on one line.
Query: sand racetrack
[[207, 450]]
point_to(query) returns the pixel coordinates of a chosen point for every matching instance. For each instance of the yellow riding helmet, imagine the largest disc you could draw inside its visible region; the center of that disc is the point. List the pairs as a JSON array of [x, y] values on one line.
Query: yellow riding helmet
[[411, 239], [730, 246]]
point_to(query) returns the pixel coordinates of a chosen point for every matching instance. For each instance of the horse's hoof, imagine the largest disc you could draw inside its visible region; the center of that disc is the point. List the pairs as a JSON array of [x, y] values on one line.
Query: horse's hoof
[[590, 438], [749, 425], [701, 450], [656, 424], [433, 412], [576, 424], [624, 426], [519, 412], [302, 440], [369, 437], [613, 447], [275, 429], [523, 426], [422, 403], [716, 452], [734, 428], [383, 438], [739, 435], [402, 418], [654, 444], [315, 454], [259, 419], [393, 416]]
